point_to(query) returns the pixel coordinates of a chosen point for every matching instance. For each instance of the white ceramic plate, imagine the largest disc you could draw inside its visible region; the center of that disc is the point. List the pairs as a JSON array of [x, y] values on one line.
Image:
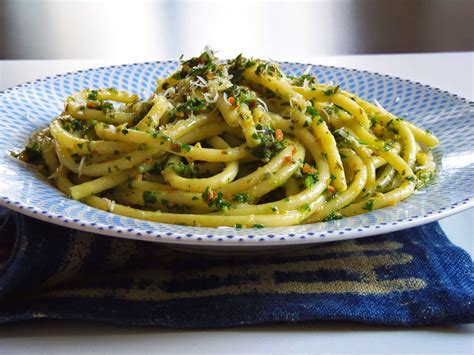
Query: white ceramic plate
[[30, 106]]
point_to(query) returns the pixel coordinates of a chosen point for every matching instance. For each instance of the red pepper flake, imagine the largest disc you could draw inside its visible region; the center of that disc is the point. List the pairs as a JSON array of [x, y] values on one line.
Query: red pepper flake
[[233, 102], [175, 147], [279, 135], [287, 159], [92, 104], [331, 189], [211, 195], [308, 169], [252, 104]]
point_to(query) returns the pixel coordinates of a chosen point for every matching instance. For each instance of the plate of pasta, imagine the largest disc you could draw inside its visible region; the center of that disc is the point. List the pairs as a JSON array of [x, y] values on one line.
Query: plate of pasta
[[238, 152]]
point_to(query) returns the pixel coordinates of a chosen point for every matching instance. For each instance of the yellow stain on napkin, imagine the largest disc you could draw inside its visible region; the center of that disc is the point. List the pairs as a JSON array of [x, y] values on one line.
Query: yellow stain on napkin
[[152, 285]]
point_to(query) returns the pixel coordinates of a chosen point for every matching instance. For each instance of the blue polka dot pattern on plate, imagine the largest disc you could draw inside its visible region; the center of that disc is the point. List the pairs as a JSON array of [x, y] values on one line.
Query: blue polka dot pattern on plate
[[30, 106]]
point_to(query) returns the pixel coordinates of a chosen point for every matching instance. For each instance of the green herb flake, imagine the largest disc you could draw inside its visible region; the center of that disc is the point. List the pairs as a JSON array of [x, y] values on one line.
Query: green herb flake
[[149, 197], [31, 154], [332, 216], [155, 169], [312, 111], [332, 90], [369, 205], [184, 170], [305, 208], [186, 147], [373, 121], [310, 180], [92, 95], [388, 146], [240, 197], [215, 199]]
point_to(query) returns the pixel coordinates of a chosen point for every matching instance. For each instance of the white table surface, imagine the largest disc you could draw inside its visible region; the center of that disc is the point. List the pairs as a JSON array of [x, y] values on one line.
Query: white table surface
[[449, 71]]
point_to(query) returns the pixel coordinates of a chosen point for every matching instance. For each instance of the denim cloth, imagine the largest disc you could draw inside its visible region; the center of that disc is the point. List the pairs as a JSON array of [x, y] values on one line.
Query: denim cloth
[[411, 277]]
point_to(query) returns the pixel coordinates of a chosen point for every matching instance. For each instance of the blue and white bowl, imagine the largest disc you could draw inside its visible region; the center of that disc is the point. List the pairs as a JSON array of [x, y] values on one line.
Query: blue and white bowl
[[28, 107]]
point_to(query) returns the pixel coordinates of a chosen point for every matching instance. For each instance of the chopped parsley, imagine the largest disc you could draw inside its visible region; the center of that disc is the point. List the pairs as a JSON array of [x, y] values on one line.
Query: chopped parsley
[[305, 207], [373, 121], [269, 146], [149, 197], [240, 197], [92, 95], [215, 199], [388, 146], [423, 178], [266, 68], [332, 216], [368, 206], [192, 105], [197, 66], [310, 180], [155, 169], [332, 90], [77, 125], [184, 170], [237, 67], [31, 154], [300, 81], [186, 147], [309, 175], [312, 111]]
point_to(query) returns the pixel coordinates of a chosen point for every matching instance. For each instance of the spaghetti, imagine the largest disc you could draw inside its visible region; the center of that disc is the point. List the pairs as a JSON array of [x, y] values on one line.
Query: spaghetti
[[235, 143]]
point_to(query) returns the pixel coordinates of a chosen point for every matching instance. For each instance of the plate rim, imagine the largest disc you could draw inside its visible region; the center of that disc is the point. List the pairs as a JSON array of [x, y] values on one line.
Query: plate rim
[[236, 241], [176, 238]]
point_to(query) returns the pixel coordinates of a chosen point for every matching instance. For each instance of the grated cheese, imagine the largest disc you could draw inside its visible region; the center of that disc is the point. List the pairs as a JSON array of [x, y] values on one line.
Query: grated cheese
[[110, 204], [210, 99], [56, 172], [263, 104], [379, 106], [81, 165]]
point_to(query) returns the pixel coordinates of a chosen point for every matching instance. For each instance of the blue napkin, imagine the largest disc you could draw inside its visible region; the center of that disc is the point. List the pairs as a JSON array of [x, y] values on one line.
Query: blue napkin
[[412, 277]]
